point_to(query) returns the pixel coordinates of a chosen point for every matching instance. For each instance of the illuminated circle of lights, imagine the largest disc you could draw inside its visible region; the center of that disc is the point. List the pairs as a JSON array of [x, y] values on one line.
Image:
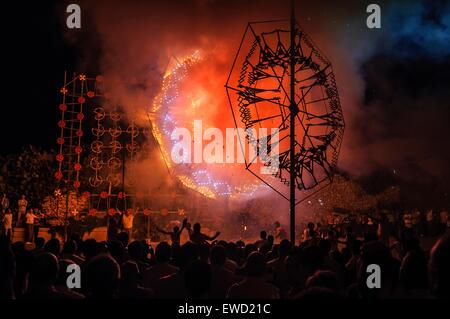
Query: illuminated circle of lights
[[197, 177]]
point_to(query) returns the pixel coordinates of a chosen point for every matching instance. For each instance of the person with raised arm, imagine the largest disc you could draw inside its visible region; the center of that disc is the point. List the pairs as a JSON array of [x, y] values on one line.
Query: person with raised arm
[[175, 234], [197, 237]]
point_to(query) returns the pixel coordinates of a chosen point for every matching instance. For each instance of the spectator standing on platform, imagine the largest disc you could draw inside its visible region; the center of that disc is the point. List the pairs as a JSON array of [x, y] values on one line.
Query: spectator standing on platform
[[127, 222], [7, 224], [22, 203], [5, 203], [113, 227], [37, 223], [29, 220]]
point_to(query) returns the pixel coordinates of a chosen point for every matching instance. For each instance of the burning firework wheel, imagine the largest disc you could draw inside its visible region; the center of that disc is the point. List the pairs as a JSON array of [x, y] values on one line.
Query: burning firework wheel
[[187, 96], [259, 93]]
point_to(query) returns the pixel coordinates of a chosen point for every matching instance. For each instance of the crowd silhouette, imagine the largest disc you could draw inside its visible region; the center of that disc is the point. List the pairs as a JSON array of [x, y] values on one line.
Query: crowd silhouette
[[324, 265]]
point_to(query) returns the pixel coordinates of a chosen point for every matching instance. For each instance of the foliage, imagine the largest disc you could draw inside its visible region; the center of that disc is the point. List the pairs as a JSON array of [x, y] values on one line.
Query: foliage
[[30, 173], [346, 193], [57, 206]]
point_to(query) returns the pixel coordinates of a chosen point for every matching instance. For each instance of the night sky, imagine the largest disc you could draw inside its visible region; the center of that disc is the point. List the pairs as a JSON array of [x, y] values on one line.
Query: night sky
[[394, 82], [37, 53]]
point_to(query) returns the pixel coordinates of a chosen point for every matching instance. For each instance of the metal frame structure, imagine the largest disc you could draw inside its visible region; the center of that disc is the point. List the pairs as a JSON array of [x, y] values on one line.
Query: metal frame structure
[[108, 152], [280, 79], [81, 100]]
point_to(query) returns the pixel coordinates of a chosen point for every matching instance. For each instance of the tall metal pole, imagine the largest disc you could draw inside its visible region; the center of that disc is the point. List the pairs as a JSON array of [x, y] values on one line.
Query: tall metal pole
[[293, 112], [123, 176], [123, 185]]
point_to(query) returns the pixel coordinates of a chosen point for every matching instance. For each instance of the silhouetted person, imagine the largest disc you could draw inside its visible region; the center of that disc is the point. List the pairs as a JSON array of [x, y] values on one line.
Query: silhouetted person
[[432, 223], [24, 260], [332, 260], [296, 275], [113, 227], [136, 254], [7, 269], [385, 229], [40, 242], [102, 277], [439, 268], [262, 241], [353, 264], [173, 286], [203, 252], [309, 233], [280, 233], [117, 251], [414, 276], [43, 274], [22, 211], [312, 259], [4, 203], [90, 248], [324, 279], [6, 224], [162, 268], [222, 278], [70, 252], [175, 234], [254, 284], [124, 238], [375, 252], [29, 221], [277, 267], [197, 237], [53, 246], [270, 240], [129, 283], [197, 279], [231, 262], [249, 248]]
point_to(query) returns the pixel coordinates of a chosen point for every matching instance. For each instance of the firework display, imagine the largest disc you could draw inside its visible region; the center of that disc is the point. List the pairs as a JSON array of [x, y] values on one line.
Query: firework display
[[78, 95], [258, 90], [223, 159], [208, 180], [106, 149]]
